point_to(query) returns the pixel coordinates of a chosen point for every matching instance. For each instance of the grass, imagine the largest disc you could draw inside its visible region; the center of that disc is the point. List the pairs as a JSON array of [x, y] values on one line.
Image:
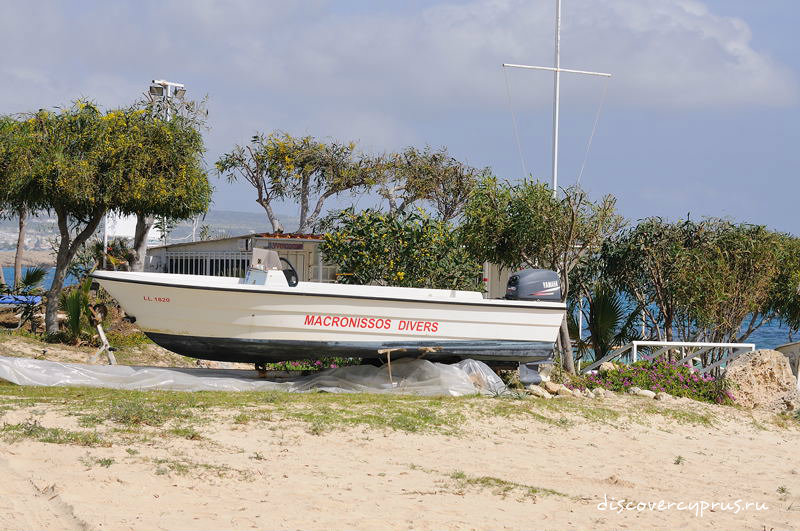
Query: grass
[[321, 412], [681, 416], [400, 416], [186, 433], [90, 462], [185, 467], [679, 460], [128, 339], [181, 414], [32, 429], [499, 487]]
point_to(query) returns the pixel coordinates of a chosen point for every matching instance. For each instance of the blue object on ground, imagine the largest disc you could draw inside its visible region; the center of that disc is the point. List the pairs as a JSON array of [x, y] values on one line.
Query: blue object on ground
[[20, 299]]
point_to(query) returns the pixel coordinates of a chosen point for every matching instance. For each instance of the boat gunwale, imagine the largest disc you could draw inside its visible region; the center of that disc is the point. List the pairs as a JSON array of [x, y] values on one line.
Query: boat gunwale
[[558, 306]]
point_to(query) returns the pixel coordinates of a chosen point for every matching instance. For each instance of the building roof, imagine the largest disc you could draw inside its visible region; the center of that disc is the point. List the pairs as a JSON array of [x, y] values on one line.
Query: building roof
[[265, 235]]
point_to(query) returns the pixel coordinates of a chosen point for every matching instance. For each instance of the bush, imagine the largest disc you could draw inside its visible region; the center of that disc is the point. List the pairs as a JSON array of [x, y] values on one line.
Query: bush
[[661, 375], [312, 365], [409, 249]]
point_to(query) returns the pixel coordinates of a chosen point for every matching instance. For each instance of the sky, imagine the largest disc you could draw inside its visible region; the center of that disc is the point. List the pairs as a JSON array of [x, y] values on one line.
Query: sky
[[700, 118]]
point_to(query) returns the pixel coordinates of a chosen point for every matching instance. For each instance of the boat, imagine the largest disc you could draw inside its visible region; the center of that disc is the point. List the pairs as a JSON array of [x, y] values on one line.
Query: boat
[[792, 351], [269, 316]]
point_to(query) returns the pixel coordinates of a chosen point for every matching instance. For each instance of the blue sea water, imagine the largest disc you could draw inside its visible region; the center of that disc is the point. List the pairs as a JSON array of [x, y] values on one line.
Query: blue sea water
[[8, 272]]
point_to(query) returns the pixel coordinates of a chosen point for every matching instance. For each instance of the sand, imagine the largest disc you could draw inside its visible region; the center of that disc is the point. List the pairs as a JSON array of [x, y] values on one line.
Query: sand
[[278, 474]]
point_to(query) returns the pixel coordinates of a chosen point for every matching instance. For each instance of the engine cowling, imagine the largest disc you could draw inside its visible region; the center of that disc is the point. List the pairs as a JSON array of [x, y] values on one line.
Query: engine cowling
[[534, 285]]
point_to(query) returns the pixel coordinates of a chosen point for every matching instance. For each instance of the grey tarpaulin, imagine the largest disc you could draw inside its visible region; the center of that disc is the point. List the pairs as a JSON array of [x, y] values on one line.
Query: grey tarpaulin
[[409, 376]]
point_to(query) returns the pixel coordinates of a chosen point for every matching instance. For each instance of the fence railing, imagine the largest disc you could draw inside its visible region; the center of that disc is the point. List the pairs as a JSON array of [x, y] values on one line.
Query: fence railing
[[704, 357], [229, 264]]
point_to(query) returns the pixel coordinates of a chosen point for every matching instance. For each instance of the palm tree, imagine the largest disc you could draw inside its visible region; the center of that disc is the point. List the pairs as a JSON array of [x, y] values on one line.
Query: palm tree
[[609, 321]]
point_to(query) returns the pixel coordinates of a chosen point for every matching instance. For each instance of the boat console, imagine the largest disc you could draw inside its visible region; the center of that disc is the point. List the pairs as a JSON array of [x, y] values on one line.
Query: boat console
[[266, 269]]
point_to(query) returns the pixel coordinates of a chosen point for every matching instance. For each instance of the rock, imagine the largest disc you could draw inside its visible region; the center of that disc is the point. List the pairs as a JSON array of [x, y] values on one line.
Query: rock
[[578, 393], [589, 393], [551, 387], [539, 391], [606, 366], [646, 393], [599, 392], [661, 395], [564, 392], [763, 379], [634, 390]]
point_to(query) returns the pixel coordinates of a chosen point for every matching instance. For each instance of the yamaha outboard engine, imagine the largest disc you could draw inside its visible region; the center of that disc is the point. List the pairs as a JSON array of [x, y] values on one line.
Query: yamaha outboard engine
[[534, 285]]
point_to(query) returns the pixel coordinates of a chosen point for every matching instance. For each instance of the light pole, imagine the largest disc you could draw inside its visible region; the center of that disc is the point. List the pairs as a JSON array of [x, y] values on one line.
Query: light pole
[[166, 90]]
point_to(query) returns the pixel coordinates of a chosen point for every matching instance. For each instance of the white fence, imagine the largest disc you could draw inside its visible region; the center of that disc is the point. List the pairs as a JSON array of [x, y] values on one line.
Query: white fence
[[709, 356]]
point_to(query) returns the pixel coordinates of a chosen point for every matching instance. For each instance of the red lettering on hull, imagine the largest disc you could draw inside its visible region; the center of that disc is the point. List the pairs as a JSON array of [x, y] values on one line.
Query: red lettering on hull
[[370, 323]]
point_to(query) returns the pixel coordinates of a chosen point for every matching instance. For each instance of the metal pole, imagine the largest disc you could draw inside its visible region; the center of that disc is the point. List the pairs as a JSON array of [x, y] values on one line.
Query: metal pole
[[556, 97], [105, 238]]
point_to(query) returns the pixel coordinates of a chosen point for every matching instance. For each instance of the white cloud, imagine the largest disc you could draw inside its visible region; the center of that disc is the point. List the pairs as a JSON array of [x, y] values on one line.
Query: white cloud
[[368, 74], [662, 52]]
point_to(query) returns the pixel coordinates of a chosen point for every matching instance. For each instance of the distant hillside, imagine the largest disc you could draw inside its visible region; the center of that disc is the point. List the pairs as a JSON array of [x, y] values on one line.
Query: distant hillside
[[224, 223], [221, 223]]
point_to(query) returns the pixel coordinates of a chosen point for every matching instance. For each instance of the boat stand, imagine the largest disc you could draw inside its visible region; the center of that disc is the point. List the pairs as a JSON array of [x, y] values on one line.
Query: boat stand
[[105, 346], [388, 353]]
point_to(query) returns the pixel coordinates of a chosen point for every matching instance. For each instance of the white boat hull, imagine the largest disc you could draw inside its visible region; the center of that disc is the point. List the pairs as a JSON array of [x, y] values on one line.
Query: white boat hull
[[222, 318]]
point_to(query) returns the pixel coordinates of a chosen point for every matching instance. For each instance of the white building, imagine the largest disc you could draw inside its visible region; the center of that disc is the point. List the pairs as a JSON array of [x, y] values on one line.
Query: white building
[[231, 257]]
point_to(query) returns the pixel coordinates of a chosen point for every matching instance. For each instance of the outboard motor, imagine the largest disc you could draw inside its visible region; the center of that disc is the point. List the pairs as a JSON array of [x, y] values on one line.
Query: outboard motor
[[534, 285]]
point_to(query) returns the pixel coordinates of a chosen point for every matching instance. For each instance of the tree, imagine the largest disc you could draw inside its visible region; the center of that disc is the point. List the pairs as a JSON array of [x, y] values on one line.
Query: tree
[[784, 301], [88, 163], [281, 166], [170, 154], [646, 262], [524, 225], [711, 280], [409, 249], [426, 175], [15, 168]]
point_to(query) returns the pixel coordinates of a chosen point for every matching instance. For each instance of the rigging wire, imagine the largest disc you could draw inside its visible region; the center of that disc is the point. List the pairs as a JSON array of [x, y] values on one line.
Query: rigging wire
[[594, 130], [514, 120]]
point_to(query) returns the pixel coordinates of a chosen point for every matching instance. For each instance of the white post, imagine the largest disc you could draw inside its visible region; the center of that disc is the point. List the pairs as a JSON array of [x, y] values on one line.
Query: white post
[[642, 324], [556, 97]]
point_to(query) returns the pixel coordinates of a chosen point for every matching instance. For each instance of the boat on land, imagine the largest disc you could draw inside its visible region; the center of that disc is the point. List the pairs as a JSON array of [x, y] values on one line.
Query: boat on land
[[268, 316], [792, 351]]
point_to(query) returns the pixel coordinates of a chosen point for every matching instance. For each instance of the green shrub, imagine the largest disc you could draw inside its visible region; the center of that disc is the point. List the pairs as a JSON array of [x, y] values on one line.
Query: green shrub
[[661, 375]]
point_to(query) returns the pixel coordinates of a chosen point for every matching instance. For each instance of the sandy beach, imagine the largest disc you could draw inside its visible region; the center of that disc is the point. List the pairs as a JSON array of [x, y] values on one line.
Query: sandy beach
[[100, 459], [29, 259]]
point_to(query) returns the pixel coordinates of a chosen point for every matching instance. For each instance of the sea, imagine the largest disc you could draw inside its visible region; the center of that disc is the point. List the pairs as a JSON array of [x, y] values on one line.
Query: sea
[[768, 336]]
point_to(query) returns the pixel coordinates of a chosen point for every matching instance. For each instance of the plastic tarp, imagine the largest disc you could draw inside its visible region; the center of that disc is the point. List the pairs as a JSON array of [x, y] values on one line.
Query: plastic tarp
[[409, 376]]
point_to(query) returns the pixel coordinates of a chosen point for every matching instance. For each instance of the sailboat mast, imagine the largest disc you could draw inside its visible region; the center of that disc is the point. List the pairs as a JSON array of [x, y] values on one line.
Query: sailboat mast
[[556, 96], [556, 69]]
